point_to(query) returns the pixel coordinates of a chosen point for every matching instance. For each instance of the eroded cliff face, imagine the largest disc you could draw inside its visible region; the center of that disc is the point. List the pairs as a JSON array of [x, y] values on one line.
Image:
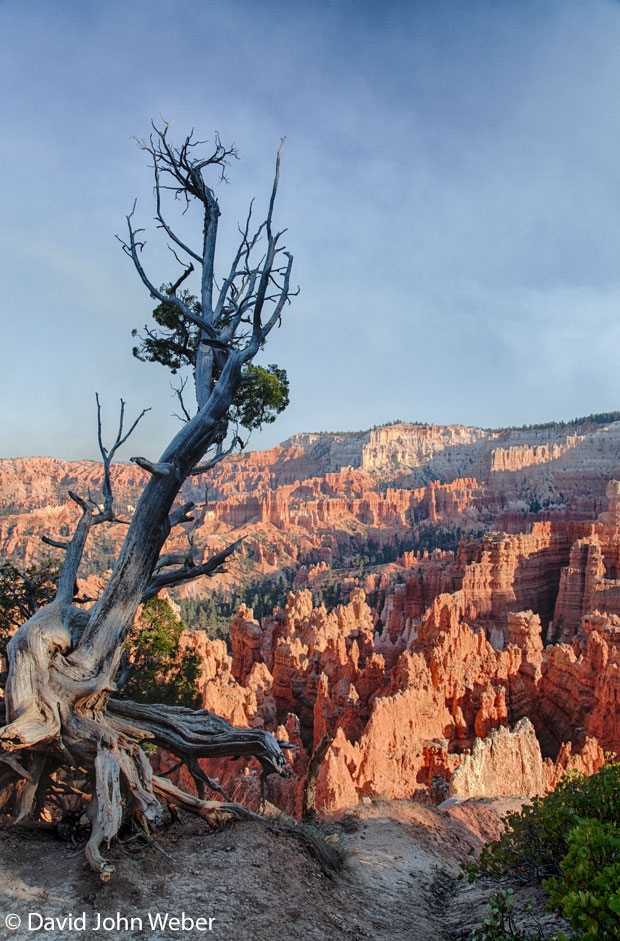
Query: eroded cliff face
[[444, 709], [325, 498], [458, 685], [496, 663], [580, 685], [590, 581]]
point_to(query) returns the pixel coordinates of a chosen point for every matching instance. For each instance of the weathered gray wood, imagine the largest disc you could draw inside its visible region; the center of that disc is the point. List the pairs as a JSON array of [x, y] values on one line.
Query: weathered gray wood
[[308, 796], [196, 805], [63, 661], [190, 734]]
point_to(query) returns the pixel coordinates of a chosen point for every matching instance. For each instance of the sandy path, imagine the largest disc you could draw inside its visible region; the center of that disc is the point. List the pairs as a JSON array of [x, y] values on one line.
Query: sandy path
[[401, 883]]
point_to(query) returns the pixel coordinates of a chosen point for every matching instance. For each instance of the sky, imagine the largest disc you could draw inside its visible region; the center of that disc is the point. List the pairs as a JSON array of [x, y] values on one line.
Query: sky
[[450, 187]]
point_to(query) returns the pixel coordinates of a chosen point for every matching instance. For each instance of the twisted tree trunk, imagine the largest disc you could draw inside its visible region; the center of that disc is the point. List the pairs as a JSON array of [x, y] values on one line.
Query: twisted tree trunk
[[63, 662]]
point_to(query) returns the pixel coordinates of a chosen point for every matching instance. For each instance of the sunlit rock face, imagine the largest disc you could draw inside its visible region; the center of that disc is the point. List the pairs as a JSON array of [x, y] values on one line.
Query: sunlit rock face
[[451, 704], [501, 654], [319, 497], [509, 763], [463, 688]]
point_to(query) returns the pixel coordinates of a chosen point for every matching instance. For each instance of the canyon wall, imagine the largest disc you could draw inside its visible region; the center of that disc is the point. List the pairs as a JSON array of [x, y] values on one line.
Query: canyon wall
[[453, 681], [328, 498], [499, 653]]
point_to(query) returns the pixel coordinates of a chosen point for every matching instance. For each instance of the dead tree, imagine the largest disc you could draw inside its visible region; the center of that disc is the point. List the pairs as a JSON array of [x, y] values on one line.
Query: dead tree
[[64, 662]]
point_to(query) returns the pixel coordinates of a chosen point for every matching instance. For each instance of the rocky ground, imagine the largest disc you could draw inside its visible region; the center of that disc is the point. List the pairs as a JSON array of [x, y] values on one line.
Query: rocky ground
[[401, 881]]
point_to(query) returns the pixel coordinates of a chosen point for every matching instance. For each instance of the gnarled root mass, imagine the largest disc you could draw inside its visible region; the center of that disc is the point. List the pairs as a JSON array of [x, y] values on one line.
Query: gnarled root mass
[[60, 725]]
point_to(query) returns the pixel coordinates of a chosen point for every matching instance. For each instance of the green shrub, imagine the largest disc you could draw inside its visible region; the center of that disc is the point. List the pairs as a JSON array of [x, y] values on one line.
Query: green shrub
[[589, 892], [535, 839], [500, 924], [570, 841], [22, 593], [159, 673]]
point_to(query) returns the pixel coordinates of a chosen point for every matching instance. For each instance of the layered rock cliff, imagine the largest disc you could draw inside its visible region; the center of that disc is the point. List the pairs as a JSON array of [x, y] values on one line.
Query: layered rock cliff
[[500, 654], [329, 498], [452, 680]]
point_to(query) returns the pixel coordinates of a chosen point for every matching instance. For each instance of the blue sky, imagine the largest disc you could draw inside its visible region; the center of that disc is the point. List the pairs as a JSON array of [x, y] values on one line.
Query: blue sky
[[450, 184]]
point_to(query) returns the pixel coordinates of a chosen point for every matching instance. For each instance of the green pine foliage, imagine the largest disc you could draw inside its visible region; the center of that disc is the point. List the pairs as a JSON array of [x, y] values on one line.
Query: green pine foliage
[[159, 673], [264, 390], [264, 393], [22, 593], [264, 595], [599, 418], [214, 614], [174, 342]]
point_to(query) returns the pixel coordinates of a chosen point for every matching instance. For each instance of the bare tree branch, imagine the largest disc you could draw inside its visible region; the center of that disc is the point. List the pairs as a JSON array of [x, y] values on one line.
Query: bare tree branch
[[65, 588], [175, 558], [274, 189], [107, 514], [164, 224], [56, 543], [181, 515], [219, 456], [178, 390], [189, 572]]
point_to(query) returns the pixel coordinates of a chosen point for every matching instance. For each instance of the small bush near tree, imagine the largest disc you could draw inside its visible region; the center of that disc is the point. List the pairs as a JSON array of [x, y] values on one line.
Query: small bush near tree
[[160, 674], [22, 593], [501, 922]]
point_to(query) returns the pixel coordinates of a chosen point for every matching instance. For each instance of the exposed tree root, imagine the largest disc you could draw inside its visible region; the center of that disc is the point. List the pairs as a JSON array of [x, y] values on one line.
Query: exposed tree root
[[73, 724], [63, 661], [195, 805], [190, 734]]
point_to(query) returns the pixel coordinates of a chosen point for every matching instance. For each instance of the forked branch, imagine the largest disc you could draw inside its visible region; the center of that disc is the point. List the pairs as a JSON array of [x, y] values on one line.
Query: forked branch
[[92, 515], [188, 572]]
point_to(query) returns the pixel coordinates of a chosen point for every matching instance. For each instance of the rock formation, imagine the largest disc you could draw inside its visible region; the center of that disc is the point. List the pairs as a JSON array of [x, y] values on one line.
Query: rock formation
[[590, 581], [324, 498], [495, 667], [443, 708], [458, 684]]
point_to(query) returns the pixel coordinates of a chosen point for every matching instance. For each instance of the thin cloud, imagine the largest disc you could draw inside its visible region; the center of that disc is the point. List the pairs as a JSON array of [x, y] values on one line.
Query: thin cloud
[[450, 187]]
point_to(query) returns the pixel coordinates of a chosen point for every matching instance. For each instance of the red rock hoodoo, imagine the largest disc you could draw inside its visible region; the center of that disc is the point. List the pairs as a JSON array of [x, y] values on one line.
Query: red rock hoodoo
[[493, 666]]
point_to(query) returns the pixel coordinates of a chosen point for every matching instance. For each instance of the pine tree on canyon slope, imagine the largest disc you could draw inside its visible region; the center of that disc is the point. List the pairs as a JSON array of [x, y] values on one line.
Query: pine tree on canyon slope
[[65, 663]]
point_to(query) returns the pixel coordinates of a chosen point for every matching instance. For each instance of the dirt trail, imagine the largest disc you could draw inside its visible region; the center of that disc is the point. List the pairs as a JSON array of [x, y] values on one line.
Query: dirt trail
[[406, 866], [401, 882], [391, 879]]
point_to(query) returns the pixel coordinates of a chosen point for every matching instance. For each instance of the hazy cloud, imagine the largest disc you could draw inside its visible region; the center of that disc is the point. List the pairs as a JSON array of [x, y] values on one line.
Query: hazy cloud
[[450, 187]]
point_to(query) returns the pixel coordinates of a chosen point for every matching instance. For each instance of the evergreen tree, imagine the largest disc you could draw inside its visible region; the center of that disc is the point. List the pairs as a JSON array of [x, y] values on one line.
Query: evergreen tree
[[160, 673], [22, 593]]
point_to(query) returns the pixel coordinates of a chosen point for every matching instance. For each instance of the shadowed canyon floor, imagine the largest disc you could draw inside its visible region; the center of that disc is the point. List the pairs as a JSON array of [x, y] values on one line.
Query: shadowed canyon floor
[[401, 881]]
